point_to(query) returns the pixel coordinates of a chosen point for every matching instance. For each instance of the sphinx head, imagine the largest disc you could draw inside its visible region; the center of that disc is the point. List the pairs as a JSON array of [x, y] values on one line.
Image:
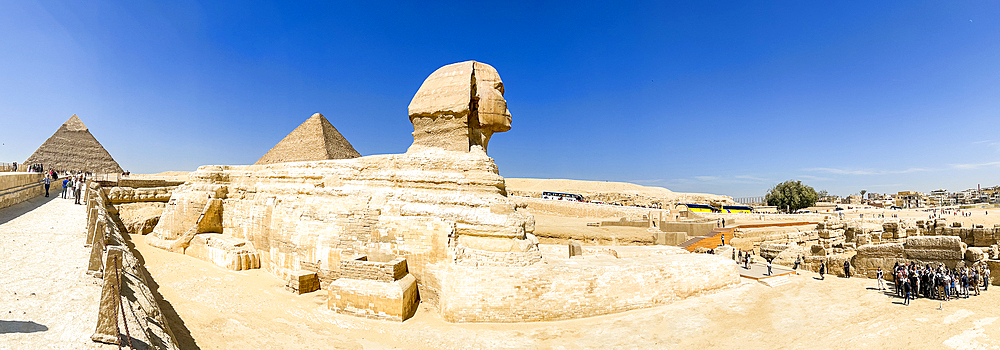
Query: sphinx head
[[458, 108]]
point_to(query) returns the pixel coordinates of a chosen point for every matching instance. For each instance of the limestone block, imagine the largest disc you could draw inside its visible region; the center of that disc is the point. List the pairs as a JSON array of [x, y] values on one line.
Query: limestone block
[[890, 226], [91, 225], [994, 266], [95, 266], [936, 242], [140, 218], [225, 251], [956, 224], [934, 254], [575, 249], [817, 250], [888, 250], [769, 251], [301, 282], [394, 301], [118, 195], [974, 254], [107, 316]]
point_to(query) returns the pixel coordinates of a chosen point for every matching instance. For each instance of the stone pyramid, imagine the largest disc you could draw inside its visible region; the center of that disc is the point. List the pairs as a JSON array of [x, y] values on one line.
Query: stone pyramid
[[72, 147], [315, 139]]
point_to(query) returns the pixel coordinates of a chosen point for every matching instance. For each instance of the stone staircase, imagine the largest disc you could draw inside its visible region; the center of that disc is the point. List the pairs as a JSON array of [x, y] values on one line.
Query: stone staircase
[[775, 281]]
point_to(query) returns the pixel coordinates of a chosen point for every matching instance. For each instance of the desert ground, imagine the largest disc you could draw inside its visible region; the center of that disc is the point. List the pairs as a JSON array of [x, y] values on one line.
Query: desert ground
[[250, 309]]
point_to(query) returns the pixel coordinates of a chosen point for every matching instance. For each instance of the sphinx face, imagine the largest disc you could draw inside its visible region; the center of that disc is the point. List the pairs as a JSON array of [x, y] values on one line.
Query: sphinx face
[[492, 107], [458, 108]]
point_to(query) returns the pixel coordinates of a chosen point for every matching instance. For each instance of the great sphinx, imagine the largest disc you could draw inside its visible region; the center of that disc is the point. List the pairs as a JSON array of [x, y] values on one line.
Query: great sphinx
[[442, 206]]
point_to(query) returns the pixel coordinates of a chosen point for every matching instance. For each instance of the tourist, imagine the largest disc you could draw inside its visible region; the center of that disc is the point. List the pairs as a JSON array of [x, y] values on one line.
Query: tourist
[[986, 278], [15, 166], [881, 282], [847, 268], [769, 266], [65, 187], [822, 269], [798, 260], [76, 191], [48, 182], [723, 238], [906, 291]]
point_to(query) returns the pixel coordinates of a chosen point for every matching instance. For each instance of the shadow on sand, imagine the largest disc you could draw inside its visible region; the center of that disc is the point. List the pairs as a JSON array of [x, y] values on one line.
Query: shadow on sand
[[21, 327], [15, 211], [176, 326]]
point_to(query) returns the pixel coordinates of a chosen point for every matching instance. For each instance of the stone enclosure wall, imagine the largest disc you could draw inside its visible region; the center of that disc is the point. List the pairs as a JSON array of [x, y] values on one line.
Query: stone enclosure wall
[[124, 279], [19, 187]]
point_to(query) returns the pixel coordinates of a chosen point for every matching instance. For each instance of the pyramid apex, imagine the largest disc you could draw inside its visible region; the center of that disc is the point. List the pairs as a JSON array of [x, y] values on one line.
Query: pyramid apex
[[74, 124], [314, 139]]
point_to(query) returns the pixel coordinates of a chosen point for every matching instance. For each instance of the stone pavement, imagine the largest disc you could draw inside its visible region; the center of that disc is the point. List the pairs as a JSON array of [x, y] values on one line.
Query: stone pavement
[[46, 299]]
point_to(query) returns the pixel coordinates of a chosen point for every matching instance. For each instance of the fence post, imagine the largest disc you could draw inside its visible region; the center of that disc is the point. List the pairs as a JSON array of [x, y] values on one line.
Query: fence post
[[107, 314], [97, 249]]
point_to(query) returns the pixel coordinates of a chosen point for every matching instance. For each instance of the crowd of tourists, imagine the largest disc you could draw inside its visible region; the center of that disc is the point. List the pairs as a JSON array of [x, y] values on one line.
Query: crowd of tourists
[[935, 282], [72, 184]]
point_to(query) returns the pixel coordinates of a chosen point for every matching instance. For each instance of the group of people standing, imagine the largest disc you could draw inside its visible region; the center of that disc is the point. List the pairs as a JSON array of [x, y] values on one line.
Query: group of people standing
[[941, 283], [72, 184]]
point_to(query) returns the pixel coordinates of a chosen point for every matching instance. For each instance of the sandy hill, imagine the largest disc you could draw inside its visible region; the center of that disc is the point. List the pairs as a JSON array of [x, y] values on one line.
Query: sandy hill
[[610, 192]]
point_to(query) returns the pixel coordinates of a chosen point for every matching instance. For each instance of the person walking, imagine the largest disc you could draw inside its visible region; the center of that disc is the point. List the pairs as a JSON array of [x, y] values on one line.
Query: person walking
[[881, 282], [769, 267], [48, 182], [798, 260], [822, 270]]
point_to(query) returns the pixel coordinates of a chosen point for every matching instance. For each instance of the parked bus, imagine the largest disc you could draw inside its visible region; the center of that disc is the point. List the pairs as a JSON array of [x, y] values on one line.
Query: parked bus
[[700, 208], [742, 209], [562, 196]]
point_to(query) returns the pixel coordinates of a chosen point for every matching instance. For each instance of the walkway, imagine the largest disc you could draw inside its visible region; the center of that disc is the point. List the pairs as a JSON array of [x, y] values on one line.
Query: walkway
[[46, 299]]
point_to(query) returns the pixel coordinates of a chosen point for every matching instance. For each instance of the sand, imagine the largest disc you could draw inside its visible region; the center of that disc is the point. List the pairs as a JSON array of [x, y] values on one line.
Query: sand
[[249, 309]]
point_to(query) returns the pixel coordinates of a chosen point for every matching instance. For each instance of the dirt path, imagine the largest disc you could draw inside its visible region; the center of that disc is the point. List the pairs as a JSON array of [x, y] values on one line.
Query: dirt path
[[46, 299]]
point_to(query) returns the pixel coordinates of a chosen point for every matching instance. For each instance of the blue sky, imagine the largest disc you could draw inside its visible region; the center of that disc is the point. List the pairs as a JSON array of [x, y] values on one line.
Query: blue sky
[[718, 97]]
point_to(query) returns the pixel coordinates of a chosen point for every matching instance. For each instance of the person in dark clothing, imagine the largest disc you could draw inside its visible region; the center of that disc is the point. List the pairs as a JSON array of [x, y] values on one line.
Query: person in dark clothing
[[847, 269], [822, 270], [48, 182], [906, 292]]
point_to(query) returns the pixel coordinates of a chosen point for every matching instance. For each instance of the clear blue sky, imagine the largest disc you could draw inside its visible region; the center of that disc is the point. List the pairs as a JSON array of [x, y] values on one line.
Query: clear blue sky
[[728, 97]]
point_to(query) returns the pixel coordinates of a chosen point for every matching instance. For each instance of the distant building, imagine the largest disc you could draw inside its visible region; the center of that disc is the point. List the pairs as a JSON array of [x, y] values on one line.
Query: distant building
[[911, 199]]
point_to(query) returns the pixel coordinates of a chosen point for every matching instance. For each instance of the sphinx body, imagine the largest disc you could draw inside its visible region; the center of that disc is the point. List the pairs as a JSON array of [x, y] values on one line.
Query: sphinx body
[[442, 205]]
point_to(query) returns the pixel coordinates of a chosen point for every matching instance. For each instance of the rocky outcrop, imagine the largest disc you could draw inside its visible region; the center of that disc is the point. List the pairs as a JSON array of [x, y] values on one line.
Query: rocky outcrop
[[140, 218]]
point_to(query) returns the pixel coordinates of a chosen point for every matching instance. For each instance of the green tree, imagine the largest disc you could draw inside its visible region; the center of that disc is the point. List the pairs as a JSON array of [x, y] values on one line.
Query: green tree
[[791, 195], [863, 195]]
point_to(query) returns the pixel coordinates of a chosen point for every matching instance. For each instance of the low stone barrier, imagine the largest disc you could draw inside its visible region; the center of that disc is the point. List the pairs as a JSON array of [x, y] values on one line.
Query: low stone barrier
[[19, 187], [128, 314]]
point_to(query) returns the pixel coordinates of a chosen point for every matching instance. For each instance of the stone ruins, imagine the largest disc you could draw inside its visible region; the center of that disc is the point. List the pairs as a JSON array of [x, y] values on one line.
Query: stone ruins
[[433, 225], [72, 147]]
